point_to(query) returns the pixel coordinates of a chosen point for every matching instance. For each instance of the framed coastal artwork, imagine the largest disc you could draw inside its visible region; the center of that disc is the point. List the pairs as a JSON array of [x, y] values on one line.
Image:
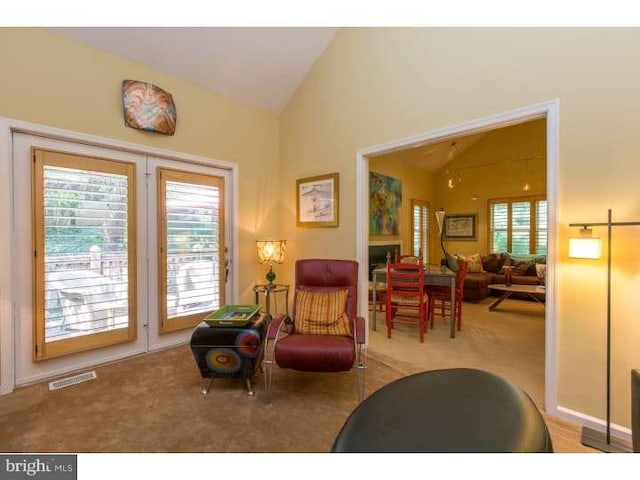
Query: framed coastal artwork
[[460, 226], [317, 201], [385, 199]]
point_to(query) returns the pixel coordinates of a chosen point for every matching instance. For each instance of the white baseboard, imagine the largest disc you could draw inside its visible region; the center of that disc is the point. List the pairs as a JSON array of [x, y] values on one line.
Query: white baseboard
[[70, 370], [37, 378], [618, 431]]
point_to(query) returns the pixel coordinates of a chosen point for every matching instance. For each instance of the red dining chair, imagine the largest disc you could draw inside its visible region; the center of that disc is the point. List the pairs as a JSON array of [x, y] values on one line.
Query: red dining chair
[[439, 304], [405, 290], [381, 291]]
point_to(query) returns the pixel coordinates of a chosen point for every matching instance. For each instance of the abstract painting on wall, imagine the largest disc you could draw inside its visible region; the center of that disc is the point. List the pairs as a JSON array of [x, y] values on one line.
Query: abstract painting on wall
[[147, 107], [385, 198]]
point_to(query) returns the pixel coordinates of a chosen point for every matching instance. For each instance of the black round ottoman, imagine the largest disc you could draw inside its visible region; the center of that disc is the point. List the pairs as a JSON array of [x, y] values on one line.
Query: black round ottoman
[[452, 410]]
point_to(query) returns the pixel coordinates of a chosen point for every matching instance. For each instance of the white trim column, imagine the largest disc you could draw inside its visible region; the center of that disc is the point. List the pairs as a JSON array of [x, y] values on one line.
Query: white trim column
[[549, 110]]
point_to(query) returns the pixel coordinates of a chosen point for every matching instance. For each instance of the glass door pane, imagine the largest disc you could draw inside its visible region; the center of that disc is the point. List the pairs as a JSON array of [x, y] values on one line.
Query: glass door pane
[[84, 285], [191, 243]]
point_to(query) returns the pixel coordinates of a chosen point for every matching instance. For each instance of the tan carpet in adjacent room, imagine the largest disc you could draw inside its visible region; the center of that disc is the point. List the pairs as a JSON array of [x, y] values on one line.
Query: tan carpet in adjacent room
[[508, 341], [153, 403]]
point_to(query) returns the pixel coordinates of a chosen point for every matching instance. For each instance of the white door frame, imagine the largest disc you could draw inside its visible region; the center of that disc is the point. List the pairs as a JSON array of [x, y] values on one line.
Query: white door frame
[[549, 110], [10, 126]]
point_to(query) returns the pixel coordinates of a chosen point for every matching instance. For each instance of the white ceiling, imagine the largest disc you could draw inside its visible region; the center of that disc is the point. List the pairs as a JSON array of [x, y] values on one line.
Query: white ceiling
[[257, 66], [433, 156]]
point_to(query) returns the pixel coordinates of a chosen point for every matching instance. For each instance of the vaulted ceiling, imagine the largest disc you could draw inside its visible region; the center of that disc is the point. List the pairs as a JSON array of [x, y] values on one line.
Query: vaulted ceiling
[[257, 66]]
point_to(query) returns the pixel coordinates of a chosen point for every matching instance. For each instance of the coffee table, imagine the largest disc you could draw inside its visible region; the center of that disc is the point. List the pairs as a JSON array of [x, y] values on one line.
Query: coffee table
[[532, 291]]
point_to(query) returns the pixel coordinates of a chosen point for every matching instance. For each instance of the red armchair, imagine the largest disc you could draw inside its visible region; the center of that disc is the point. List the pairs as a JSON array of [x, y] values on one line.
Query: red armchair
[[302, 342]]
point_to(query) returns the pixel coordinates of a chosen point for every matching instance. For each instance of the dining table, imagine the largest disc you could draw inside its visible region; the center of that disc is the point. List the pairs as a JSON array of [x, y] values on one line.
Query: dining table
[[433, 275]]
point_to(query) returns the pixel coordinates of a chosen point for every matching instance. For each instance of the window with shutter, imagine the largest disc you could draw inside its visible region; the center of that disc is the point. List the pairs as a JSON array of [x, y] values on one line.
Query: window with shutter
[[84, 212], [191, 233], [420, 236], [541, 227], [499, 223], [518, 225]]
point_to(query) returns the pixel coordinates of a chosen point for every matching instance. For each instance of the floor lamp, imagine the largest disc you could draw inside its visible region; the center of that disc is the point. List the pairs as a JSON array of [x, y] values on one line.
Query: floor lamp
[[440, 219], [588, 247]]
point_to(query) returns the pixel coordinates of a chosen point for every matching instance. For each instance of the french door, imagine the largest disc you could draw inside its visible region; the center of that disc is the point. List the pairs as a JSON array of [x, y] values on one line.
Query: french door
[[84, 242], [116, 253], [192, 260]]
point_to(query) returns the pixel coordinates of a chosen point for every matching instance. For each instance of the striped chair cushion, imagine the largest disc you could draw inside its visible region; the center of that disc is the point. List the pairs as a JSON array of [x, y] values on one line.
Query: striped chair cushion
[[322, 313]]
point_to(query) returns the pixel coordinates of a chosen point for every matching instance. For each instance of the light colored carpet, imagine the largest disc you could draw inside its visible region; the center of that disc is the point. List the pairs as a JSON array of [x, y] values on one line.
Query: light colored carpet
[[153, 403], [508, 342]]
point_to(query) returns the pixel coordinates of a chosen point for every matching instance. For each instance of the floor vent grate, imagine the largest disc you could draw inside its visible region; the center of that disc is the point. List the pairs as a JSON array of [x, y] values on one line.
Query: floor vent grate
[[65, 382]]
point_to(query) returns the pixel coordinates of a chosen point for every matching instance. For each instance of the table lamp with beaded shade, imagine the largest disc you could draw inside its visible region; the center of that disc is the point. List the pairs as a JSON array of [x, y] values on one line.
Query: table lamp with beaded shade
[[270, 251]]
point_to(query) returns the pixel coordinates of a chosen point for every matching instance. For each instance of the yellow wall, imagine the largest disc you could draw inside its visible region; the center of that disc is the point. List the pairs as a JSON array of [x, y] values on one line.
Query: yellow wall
[[374, 85], [51, 80], [416, 184], [493, 167]]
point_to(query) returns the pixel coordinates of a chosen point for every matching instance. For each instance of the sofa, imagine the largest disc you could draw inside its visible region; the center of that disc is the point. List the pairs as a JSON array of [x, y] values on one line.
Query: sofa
[[483, 271]]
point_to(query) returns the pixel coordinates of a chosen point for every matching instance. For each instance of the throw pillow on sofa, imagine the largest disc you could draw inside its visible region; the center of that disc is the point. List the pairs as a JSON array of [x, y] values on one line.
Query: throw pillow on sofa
[[493, 262], [452, 262], [474, 262], [541, 272], [528, 258], [524, 268]]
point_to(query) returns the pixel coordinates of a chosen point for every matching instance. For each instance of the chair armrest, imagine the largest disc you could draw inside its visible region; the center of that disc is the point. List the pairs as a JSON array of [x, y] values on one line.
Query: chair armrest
[[274, 325], [359, 329]]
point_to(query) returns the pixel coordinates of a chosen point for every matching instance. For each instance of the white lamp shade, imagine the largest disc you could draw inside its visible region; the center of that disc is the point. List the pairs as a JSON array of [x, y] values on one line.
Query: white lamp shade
[[440, 219], [585, 247]]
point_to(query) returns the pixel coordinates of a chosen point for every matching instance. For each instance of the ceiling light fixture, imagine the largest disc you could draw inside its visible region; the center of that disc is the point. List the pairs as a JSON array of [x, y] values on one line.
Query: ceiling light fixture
[[453, 151], [455, 175], [527, 186]]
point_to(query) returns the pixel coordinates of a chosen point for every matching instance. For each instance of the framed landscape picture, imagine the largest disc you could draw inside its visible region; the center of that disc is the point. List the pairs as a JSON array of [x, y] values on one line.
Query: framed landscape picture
[[317, 201], [460, 226]]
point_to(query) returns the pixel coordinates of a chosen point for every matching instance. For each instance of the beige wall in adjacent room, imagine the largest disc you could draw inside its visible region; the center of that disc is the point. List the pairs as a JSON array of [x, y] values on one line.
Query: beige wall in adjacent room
[[50, 80], [375, 85], [496, 166]]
